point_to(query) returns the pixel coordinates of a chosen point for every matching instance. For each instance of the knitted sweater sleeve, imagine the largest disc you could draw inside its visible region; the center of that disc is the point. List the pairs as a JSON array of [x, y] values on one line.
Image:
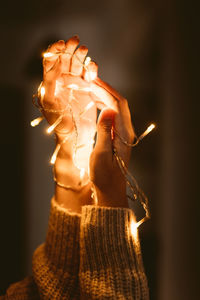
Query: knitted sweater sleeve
[[107, 265], [110, 257], [56, 263]]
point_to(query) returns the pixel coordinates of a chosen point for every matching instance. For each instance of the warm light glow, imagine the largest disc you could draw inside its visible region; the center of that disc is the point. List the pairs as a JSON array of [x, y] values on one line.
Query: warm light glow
[[36, 121], [147, 131], [88, 106], [90, 75], [87, 61], [48, 54], [73, 86], [54, 156], [86, 89], [42, 92], [85, 145], [134, 227], [150, 128], [58, 87], [82, 173], [53, 126]]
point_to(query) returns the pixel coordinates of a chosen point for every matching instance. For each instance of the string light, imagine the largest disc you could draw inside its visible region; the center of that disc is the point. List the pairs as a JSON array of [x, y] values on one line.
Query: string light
[[88, 106], [54, 156], [134, 226], [51, 128], [48, 54], [87, 61], [90, 75], [147, 131], [82, 173], [36, 121], [42, 92]]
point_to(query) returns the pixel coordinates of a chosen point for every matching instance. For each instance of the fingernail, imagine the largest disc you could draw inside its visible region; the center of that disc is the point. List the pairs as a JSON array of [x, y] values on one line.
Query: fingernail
[[76, 37]]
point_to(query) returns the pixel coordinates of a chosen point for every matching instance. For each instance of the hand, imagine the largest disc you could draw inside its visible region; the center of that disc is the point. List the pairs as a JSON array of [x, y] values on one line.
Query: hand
[[105, 173], [63, 70]]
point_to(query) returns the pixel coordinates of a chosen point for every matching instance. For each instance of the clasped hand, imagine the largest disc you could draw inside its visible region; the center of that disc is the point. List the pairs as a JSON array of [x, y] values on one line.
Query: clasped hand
[[73, 98]]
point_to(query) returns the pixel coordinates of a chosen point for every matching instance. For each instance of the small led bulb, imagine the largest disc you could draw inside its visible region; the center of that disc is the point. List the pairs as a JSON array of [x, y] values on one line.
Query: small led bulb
[[36, 121], [54, 156], [48, 54], [87, 61]]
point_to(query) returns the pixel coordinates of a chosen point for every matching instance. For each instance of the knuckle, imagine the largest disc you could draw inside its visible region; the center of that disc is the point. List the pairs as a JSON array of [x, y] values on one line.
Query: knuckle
[[107, 127]]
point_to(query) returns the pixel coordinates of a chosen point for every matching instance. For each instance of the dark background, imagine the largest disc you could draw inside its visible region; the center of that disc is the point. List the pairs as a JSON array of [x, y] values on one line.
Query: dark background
[[149, 52]]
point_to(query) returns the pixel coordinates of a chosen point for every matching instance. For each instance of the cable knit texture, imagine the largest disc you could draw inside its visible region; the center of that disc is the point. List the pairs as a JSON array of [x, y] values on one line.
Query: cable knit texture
[[106, 265]]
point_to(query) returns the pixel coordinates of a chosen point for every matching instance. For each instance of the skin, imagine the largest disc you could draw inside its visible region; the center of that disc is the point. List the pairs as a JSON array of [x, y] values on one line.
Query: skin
[[108, 180]]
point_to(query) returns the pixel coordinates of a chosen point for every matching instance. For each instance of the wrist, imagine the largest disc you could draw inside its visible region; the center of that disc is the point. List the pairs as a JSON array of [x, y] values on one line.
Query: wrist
[[112, 198], [70, 192], [73, 200]]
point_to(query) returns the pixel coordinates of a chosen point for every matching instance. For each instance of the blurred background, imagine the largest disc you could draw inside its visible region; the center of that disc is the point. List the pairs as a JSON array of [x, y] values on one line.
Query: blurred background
[[148, 50]]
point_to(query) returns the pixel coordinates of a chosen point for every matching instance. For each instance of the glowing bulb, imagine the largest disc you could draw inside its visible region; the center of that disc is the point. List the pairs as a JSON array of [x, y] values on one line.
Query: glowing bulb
[[42, 92], [147, 131], [86, 89], [58, 87], [48, 54], [150, 128], [90, 75], [53, 126], [36, 121], [88, 106], [134, 227], [82, 173], [73, 86], [54, 156], [87, 61]]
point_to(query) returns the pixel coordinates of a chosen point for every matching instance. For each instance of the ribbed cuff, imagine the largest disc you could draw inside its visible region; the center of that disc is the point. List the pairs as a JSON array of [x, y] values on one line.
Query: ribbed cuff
[[106, 234], [110, 258], [62, 241], [56, 263]]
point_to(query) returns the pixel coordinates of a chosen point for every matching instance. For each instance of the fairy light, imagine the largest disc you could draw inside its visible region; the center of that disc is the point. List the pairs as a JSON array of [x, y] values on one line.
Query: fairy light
[[147, 131], [90, 75], [54, 156], [86, 89], [36, 121], [82, 173], [48, 54], [87, 61], [73, 86], [134, 229], [88, 106], [51, 128]]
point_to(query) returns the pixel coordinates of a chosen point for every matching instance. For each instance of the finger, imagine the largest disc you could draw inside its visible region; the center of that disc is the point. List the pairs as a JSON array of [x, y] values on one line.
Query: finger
[[105, 99], [123, 124], [104, 126], [109, 97], [90, 71], [70, 47], [108, 88], [78, 60], [57, 47], [54, 72]]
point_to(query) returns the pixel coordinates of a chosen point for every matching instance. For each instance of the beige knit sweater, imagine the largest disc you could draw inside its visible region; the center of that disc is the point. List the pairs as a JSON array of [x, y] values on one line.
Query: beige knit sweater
[[94, 255]]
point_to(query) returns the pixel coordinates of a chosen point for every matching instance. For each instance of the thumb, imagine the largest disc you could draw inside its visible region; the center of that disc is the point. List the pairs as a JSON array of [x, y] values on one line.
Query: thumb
[[104, 126]]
